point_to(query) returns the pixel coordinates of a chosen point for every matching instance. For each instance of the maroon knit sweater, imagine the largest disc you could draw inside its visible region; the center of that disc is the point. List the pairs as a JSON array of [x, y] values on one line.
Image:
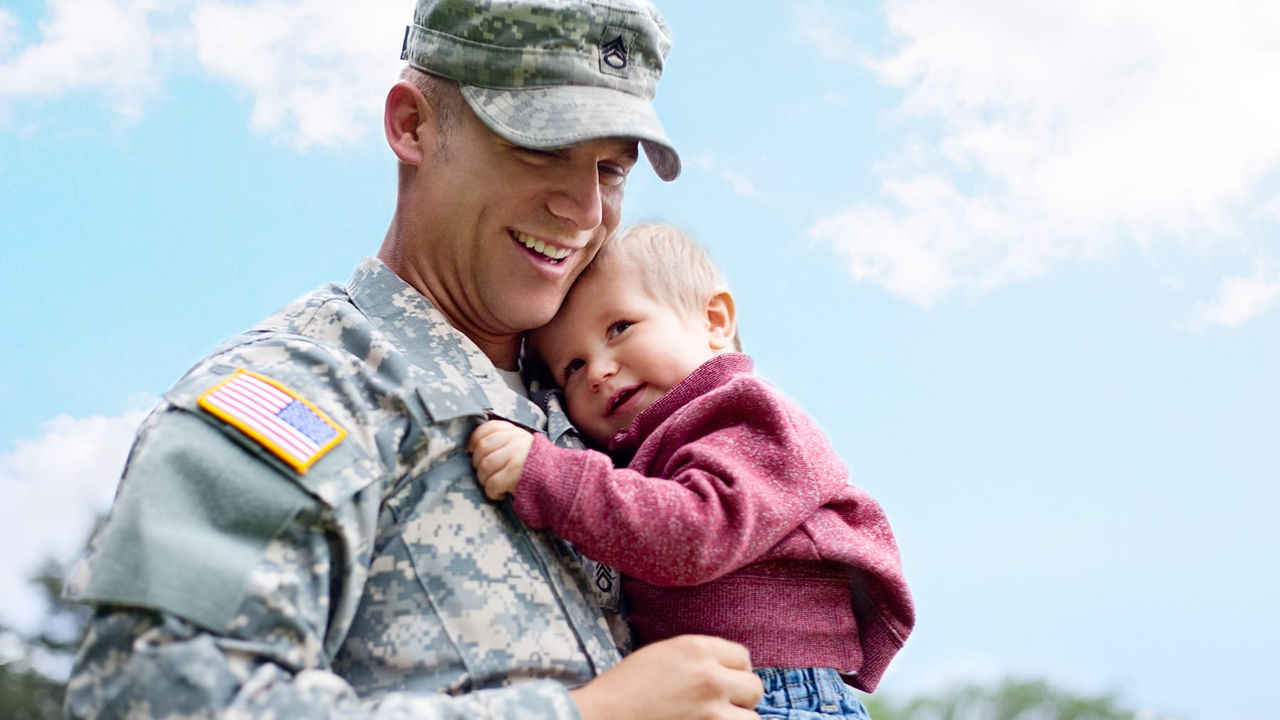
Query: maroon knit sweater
[[735, 518]]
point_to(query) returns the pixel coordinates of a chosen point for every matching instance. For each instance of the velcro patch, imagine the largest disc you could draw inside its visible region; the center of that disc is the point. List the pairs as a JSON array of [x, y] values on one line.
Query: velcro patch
[[281, 420]]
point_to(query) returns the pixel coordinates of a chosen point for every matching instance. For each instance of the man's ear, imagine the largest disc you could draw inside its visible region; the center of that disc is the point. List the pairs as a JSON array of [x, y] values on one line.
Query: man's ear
[[410, 123], [721, 321]]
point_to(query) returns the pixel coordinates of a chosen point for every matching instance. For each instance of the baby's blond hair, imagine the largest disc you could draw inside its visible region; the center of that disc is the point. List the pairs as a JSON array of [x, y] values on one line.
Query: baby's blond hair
[[674, 268]]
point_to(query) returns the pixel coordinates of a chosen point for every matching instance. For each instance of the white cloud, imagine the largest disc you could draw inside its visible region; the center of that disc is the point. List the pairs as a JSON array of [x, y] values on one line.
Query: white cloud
[[54, 486], [316, 69], [106, 45], [8, 25], [1271, 208], [817, 27], [1063, 129], [736, 181], [936, 241], [1240, 298], [834, 99]]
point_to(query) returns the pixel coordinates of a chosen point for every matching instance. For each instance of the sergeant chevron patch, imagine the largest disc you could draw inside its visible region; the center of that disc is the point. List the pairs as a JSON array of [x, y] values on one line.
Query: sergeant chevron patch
[[279, 419]]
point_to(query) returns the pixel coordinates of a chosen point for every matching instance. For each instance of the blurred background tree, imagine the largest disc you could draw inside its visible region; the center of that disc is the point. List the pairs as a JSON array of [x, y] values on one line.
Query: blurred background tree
[[34, 666], [1010, 699]]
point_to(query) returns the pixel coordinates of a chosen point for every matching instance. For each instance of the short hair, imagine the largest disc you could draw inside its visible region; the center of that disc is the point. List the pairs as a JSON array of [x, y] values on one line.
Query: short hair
[[445, 96], [674, 268]]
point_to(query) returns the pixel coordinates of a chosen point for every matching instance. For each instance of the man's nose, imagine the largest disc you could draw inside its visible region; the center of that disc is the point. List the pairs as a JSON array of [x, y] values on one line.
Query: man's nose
[[578, 197]]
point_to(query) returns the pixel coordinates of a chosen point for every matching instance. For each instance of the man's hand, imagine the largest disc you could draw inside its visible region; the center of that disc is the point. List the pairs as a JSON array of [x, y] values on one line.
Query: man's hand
[[690, 677], [498, 451]]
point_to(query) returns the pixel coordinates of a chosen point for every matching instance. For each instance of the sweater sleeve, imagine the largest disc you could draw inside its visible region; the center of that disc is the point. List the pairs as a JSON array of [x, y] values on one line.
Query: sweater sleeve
[[712, 488]]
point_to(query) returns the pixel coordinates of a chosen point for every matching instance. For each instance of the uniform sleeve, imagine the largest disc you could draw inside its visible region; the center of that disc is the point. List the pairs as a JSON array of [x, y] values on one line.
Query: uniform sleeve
[[139, 663], [225, 583], [136, 662], [726, 486]]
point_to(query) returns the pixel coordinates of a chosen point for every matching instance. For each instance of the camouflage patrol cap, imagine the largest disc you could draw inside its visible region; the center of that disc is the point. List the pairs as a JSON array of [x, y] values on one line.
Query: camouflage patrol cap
[[551, 73]]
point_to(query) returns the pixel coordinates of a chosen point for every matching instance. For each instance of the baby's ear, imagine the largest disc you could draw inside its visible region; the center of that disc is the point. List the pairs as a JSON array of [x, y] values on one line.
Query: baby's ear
[[721, 321]]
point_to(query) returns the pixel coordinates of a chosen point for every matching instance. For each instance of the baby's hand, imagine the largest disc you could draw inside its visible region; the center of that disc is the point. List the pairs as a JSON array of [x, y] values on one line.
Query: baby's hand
[[498, 451]]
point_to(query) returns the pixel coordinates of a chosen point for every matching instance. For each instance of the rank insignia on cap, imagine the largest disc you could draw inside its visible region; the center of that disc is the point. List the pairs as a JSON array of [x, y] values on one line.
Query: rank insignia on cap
[[280, 420], [614, 54]]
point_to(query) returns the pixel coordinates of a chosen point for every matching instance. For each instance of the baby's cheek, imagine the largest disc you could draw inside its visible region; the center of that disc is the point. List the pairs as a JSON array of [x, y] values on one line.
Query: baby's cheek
[[575, 407]]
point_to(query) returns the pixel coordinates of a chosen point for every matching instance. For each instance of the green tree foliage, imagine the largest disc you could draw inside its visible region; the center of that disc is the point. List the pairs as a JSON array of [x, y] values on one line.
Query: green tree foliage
[[33, 666], [1011, 699], [26, 694]]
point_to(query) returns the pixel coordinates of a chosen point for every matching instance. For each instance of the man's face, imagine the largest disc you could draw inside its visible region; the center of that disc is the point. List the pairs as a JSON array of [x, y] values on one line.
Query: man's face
[[507, 228], [615, 350]]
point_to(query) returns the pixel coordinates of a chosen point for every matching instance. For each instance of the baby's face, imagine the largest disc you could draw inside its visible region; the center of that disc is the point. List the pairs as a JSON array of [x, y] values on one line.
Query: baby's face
[[615, 350]]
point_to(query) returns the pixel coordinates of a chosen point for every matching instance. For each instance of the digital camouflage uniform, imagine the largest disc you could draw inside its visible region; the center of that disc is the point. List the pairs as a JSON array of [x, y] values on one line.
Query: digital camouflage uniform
[[379, 583]]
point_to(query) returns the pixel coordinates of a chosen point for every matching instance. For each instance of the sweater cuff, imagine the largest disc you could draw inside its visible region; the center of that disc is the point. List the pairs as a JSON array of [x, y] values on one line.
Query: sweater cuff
[[548, 484]]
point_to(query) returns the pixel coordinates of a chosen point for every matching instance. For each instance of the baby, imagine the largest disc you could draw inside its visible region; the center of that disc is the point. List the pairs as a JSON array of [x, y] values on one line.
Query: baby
[[719, 500]]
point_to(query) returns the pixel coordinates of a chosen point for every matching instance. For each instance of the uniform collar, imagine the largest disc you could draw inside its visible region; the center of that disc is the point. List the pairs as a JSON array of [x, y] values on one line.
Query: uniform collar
[[433, 344]]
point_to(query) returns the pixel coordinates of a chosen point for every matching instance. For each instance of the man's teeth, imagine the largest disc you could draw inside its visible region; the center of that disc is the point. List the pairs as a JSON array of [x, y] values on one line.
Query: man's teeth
[[539, 246]]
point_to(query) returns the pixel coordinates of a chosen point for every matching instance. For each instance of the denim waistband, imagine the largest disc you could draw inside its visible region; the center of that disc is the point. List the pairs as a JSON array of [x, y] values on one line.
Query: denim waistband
[[814, 689]]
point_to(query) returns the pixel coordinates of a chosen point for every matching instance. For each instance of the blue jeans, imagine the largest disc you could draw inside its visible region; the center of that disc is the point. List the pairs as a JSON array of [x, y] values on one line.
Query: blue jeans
[[808, 694]]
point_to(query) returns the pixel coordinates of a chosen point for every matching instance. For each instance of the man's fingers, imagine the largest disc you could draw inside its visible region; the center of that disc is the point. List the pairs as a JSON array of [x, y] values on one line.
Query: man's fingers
[[746, 690], [728, 653], [744, 687], [690, 676]]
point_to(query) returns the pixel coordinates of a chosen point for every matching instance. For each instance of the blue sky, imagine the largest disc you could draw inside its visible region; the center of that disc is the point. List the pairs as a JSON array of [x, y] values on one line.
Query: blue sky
[[1018, 258]]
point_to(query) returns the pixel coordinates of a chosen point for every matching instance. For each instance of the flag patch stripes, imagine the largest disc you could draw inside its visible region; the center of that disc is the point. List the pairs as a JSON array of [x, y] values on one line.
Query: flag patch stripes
[[276, 417]]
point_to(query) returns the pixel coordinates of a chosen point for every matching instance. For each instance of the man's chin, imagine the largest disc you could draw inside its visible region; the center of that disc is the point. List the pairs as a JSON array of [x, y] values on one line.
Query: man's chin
[[531, 316]]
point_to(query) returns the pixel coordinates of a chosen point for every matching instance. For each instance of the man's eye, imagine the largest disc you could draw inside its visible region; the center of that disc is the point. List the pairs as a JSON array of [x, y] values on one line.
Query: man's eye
[[572, 367], [619, 327], [611, 174], [536, 156]]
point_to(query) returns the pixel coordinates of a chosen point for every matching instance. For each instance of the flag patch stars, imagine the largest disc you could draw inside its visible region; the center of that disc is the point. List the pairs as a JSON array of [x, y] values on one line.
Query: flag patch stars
[[279, 419]]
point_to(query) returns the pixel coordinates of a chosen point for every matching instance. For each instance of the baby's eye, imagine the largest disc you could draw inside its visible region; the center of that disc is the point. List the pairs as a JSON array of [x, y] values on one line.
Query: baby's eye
[[572, 366], [618, 328]]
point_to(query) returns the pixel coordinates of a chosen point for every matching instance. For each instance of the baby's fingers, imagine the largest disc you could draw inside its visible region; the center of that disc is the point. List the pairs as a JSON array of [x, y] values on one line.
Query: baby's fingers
[[488, 461], [497, 486], [495, 476], [490, 431]]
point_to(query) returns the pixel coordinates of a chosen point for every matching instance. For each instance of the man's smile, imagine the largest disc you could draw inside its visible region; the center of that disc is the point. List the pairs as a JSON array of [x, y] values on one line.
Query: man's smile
[[553, 253]]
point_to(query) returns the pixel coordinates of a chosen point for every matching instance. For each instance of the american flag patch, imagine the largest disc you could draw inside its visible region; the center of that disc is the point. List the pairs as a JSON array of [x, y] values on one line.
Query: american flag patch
[[281, 420]]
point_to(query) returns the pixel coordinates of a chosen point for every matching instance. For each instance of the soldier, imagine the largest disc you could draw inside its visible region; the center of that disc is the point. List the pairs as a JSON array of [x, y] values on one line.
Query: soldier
[[299, 533]]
